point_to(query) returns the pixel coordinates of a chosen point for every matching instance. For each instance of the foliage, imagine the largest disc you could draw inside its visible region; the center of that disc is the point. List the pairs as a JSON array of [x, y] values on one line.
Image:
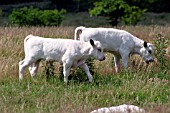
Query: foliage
[[151, 5], [160, 52], [33, 17], [52, 17], [159, 6], [84, 5], [117, 10], [132, 15]]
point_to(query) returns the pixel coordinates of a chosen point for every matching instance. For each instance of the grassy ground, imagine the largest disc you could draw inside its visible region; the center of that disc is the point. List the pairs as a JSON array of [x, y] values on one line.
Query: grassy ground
[[144, 85]]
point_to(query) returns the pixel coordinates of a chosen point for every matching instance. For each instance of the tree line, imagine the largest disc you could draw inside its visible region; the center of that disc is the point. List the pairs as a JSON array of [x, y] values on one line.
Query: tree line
[[84, 5], [125, 11]]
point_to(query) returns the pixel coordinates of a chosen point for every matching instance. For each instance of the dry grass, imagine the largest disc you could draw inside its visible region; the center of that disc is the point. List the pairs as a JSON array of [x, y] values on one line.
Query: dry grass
[[11, 43]]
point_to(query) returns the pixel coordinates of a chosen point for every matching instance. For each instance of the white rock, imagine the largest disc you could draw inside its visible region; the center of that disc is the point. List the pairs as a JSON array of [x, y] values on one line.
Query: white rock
[[120, 109]]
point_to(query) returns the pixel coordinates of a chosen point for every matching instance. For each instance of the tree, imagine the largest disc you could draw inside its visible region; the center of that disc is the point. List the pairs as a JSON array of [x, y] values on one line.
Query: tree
[[117, 10]]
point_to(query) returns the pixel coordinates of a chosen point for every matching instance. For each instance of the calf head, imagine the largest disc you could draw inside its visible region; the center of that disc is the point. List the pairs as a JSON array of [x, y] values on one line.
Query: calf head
[[97, 50], [147, 52]]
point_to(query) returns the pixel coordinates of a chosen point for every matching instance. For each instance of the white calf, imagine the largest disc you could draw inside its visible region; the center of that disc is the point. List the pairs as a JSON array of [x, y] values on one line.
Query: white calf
[[118, 42], [71, 53]]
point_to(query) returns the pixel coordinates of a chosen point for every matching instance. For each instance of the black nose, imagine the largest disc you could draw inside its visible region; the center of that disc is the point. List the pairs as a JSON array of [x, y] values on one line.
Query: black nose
[[151, 60], [147, 61], [104, 58]]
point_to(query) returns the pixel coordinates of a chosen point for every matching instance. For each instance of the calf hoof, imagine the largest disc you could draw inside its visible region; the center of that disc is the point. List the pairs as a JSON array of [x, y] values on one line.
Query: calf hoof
[[90, 81], [20, 78]]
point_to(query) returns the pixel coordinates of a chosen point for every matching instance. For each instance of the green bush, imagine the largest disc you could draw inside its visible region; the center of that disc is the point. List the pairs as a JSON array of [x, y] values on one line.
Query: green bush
[[160, 52], [35, 17]]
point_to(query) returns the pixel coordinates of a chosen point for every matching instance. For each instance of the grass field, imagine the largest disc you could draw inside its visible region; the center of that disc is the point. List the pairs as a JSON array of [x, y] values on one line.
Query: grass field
[[147, 86]]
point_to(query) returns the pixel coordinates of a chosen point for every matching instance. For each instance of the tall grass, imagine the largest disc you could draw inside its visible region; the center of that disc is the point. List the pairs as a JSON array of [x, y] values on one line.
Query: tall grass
[[144, 85]]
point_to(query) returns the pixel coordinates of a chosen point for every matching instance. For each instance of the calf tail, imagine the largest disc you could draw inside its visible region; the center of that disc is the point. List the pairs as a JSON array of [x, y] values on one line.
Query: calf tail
[[25, 40], [78, 29]]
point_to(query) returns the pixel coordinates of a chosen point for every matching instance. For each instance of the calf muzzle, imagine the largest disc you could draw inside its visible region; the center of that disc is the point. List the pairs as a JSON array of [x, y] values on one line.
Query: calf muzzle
[[102, 59], [148, 61]]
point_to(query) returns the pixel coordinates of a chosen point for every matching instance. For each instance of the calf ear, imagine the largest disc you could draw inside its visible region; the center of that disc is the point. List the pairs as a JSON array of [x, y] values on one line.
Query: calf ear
[[91, 42], [145, 44]]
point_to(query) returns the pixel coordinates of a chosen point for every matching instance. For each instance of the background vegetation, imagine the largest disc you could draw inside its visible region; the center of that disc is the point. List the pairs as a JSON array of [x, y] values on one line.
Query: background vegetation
[[35, 17], [117, 12]]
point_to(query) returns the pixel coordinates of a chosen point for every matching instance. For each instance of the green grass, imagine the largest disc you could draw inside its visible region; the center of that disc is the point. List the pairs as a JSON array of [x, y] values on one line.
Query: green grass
[[81, 97], [143, 85]]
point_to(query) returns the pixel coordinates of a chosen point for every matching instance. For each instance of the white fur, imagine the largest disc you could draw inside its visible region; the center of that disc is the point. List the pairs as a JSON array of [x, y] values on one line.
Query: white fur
[[70, 53], [118, 42], [120, 109]]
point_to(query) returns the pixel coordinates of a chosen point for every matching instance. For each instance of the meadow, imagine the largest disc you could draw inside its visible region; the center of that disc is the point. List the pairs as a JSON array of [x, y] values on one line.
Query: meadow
[[146, 86]]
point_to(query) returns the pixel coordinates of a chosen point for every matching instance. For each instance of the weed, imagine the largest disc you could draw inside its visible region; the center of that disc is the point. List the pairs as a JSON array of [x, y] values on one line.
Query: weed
[[160, 52]]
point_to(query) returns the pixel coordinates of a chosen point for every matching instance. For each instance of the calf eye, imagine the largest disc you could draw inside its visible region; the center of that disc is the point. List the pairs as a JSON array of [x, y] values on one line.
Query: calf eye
[[99, 50], [150, 51]]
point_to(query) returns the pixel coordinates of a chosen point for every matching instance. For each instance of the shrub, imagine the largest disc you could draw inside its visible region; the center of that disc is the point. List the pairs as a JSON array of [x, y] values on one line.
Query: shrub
[[52, 17], [35, 17], [160, 52]]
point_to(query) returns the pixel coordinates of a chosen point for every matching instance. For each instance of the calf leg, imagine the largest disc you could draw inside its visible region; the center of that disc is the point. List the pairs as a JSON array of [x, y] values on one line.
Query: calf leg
[[86, 69], [33, 68], [124, 52], [117, 63], [22, 65], [49, 69], [66, 71], [125, 61]]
